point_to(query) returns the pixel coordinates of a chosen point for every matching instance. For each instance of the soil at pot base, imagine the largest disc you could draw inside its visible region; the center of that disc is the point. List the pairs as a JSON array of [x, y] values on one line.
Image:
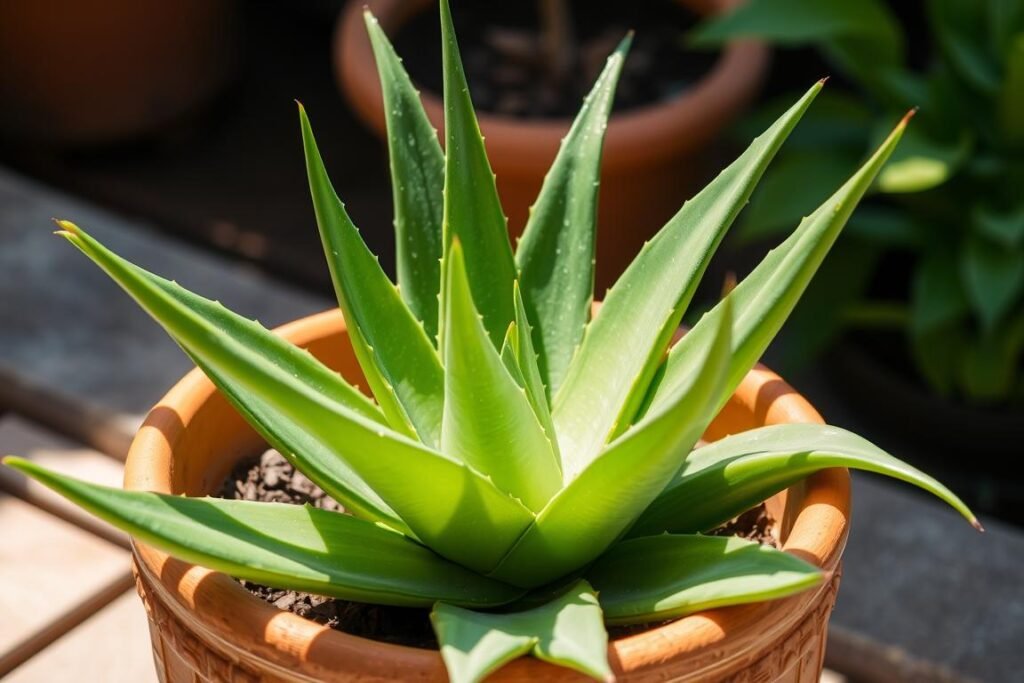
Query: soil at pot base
[[270, 478], [509, 73]]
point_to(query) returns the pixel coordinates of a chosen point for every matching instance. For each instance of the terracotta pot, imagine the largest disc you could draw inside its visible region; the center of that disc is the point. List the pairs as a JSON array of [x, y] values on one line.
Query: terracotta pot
[[84, 72], [206, 627], [654, 156]]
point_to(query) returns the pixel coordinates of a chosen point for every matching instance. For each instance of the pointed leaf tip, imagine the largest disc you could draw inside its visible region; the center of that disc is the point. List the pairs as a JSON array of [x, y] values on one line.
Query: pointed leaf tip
[[906, 117], [67, 226]]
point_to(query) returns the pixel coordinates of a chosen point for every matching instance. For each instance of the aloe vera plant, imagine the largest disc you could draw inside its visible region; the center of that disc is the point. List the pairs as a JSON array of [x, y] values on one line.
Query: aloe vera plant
[[527, 471]]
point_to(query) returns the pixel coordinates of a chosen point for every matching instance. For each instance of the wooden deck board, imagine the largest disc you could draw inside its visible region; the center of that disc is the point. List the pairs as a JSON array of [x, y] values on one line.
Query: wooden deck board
[[53, 575], [111, 646], [18, 436]]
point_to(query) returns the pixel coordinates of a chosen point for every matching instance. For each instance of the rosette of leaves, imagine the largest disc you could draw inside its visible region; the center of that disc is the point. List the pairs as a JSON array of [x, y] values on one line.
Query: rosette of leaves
[[948, 204], [523, 470]]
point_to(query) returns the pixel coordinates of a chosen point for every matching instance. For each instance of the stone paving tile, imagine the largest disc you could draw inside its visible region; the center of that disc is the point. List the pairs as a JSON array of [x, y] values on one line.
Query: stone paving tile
[[112, 646], [21, 437], [70, 333], [917, 577], [52, 575]]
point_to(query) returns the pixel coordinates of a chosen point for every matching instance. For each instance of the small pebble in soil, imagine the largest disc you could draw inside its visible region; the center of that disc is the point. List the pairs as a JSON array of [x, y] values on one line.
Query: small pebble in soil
[[270, 478]]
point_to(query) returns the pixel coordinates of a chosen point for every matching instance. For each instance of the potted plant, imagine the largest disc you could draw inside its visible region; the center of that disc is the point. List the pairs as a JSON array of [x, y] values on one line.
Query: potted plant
[[525, 472], [931, 276], [655, 152]]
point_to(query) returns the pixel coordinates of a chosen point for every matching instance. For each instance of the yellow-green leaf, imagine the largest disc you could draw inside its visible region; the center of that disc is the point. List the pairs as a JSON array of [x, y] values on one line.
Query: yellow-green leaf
[[473, 523], [555, 256], [472, 210], [596, 507], [417, 182], [765, 298], [568, 631], [397, 358], [287, 546], [668, 576], [489, 422], [625, 342], [725, 478]]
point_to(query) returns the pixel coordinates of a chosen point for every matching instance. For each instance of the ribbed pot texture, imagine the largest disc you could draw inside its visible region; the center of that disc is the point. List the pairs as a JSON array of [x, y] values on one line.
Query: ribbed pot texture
[[205, 627]]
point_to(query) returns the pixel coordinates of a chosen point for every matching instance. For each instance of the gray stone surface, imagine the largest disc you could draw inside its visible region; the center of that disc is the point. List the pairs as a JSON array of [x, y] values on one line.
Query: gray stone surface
[[70, 335], [917, 577]]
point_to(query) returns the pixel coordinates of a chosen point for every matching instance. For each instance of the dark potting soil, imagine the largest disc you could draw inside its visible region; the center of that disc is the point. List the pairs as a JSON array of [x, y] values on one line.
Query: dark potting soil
[[270, 478], [511, 73]]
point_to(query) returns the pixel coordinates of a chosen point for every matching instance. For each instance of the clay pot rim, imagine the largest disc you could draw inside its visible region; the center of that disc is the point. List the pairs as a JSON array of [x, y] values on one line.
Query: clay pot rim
[[818, 535], [653, 133]]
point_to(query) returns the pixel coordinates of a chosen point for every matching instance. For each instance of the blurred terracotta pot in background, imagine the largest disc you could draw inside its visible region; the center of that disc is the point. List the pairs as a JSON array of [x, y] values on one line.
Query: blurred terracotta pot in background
[[95, 72], [654, 155]]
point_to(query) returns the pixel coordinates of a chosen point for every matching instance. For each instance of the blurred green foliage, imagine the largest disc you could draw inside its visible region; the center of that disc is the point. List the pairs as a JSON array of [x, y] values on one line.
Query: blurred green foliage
[[949, 206]]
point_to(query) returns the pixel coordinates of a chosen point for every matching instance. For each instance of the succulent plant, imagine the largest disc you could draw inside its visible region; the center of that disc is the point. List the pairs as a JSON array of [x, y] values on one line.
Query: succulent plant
[[525, 470], [947, 209]]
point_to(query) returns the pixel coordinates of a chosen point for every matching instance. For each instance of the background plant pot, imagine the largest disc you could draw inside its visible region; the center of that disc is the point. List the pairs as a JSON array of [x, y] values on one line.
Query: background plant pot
[[91, 72], [205, 626], [654, 156]]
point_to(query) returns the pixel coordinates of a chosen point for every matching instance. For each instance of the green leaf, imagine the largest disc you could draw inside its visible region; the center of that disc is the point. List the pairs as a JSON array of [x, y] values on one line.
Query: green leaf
[[399, 362], [766, 297], [792, 188], [489, 422], [568, 631], [819, 316], [596, 507], [922, 163], [936, 295], [938, 354], [305, 452], [885, 226], [668, 576], [838, 120], [1005, 22], [417, 182], [287, 546], [627, 339], [994, 279], [729, 476], [990, 365], [866, 29], [308, 454], [1011, 94], [521, 361], [555, 256], [472, 210], [961, 31], [474, 523], [1005, 228]]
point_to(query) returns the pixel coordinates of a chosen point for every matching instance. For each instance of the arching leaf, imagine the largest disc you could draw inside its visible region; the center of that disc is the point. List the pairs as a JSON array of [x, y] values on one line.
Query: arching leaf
[[667, 576], [729, 476], [287, 546]]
